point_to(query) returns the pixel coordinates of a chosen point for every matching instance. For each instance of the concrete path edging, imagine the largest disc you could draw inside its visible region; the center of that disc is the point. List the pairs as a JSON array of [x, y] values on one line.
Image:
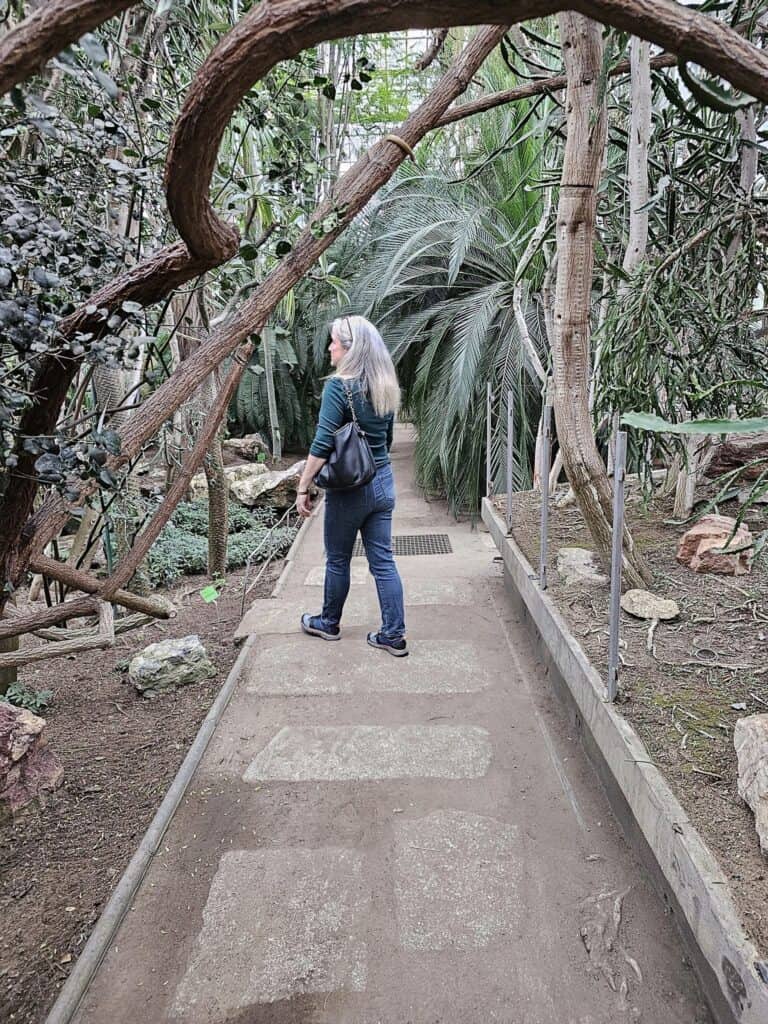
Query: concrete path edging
[[105, 929], [684, 862]]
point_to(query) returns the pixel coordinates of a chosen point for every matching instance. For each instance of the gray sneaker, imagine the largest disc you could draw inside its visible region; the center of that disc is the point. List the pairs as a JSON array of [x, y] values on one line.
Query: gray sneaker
[[313, 625], [397, 648]]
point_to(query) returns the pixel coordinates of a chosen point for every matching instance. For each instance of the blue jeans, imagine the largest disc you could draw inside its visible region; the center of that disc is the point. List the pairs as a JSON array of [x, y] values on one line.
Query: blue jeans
[[369, 510]]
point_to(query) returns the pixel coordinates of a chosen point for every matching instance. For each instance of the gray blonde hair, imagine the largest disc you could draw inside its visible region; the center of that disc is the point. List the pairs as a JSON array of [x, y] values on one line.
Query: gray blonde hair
[[367, 359]]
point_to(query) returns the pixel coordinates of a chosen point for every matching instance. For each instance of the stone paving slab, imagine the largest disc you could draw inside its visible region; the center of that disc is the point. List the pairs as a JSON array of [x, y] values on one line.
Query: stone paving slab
[[436, 666], [267, 617], [289, 922], [331, 753], [456, 879]]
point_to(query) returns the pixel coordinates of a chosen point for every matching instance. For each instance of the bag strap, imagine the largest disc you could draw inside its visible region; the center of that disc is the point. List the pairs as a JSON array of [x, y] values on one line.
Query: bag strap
[[348, 393]]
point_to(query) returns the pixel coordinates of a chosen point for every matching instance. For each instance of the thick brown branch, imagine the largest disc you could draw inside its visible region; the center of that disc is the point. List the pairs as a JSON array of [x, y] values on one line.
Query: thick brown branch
[[430, 55], [103, 637], [180, 485], [78, 580], [280, 29], [52, 27], [18, 624]]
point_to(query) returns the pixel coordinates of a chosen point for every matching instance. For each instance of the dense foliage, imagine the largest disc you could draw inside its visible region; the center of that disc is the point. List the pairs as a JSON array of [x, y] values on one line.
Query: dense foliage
[[182, 547]]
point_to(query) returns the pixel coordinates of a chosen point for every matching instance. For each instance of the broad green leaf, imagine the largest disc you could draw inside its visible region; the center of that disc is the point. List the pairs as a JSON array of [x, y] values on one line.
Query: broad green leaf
[[709, 94], [648, 421]]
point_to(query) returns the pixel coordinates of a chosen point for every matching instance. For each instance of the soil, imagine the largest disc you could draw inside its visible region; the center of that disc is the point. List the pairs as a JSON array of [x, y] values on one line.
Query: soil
[[704, 671], [120, 752]]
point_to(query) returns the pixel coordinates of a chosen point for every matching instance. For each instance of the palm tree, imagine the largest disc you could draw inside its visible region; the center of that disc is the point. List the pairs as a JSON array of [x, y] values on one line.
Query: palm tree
[[441, 256]]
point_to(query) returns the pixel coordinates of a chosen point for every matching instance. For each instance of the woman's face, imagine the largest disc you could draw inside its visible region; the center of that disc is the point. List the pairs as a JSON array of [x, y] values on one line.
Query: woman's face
[[336, 349]]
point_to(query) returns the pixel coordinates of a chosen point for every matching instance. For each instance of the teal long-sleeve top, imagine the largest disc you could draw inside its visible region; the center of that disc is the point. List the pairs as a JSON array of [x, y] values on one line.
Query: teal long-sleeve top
[[334, 413]]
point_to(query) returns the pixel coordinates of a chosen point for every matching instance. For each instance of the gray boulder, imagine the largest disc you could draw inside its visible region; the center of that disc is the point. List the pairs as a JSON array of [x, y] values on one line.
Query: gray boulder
[[170, 664], [579, 565], [645, 605], [243, 482], [248, 447], [750, 738]]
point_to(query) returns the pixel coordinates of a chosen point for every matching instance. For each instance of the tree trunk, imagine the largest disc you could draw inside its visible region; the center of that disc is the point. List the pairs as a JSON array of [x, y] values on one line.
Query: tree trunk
[[582, 45], [269, 371], [112, 385], [8, 675], [218, 508], [637, 154]]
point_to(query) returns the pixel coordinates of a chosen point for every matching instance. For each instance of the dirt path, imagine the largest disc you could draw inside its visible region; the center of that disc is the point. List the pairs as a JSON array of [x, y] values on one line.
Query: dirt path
[[376, 841]]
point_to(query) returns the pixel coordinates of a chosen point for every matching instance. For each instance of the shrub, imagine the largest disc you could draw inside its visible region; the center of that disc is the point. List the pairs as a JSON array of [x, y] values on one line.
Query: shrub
[[22, 696], [182, 547]]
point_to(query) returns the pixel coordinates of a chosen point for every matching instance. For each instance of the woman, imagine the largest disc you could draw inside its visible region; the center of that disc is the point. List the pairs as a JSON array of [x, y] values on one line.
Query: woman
[[364, 369]]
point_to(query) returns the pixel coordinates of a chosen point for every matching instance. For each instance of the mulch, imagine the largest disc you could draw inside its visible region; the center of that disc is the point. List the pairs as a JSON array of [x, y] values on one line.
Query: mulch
[[120, 752], [677, 687]]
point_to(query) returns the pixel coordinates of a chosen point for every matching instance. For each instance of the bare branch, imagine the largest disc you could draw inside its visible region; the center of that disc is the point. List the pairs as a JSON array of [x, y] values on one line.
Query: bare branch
[[431, 53], [541, 85], [158, 608]]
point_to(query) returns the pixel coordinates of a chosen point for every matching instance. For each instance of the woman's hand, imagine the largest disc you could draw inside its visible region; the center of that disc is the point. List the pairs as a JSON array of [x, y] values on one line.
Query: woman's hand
[[304, 505]]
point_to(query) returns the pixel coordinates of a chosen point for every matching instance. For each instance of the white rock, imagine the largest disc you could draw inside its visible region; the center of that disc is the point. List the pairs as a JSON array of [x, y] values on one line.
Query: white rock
[[241, 479], [579, 565], [170, 663], [645, 605], [750, 738]]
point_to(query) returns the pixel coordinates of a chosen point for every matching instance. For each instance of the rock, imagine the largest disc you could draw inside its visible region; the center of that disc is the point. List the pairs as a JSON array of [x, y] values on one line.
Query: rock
[[242, 481], [739, 450], [248, 447], [278, 487], [700, 546], [645, 605], [579, 565], [169, 664], [28, 770], [750, 738]]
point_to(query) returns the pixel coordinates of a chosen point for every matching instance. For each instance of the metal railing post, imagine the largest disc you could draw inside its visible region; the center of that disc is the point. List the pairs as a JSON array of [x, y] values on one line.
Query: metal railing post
[[619, 473], [546, 456], [488, 440], [510, 454]]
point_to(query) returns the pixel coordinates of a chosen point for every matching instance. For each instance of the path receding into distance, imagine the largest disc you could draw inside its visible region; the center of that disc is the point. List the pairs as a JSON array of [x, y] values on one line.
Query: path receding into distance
[[371, 840]]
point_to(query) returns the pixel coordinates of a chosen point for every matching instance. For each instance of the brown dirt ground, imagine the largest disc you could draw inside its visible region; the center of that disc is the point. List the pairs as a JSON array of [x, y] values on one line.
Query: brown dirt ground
[[680, 696], [120, 753]]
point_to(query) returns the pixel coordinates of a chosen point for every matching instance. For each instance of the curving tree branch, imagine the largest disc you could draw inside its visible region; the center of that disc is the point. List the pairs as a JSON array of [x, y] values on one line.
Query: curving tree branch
[[352, 192], [279, 29], [47, 31]]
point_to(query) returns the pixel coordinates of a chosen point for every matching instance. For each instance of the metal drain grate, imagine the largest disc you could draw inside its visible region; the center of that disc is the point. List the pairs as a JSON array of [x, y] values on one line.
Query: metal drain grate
[[414, 544]]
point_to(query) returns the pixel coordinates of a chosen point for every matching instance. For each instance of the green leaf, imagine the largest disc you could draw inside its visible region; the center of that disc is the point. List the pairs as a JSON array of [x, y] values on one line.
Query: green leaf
[[648, 421], [709, 94], [209, 594]]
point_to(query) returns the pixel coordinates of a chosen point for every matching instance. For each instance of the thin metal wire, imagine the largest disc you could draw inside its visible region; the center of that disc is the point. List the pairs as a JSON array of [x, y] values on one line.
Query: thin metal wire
[[619, 473], [488, 441], [510, 454], [546, 457], [255, 552]]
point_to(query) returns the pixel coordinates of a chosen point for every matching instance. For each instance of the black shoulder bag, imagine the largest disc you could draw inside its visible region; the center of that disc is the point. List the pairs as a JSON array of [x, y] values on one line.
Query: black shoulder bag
[[351, 463]]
